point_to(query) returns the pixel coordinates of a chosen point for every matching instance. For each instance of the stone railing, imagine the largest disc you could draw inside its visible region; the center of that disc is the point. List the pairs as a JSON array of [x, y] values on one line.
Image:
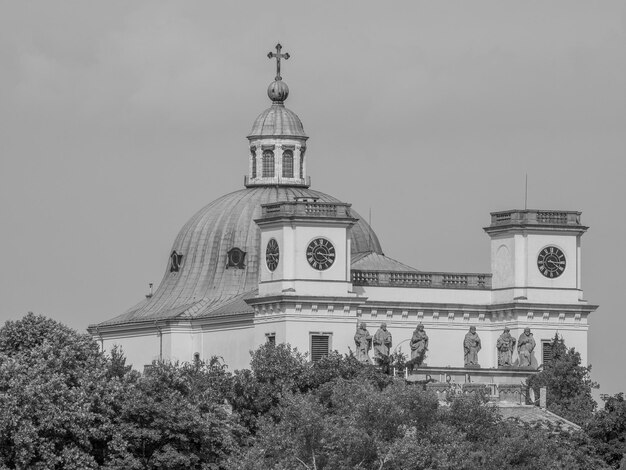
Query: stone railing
[[535, 217], [305, 209], [421, 279]]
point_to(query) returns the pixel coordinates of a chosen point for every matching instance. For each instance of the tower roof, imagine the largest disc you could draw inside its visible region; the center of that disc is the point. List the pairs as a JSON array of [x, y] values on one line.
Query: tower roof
[[277, 121]]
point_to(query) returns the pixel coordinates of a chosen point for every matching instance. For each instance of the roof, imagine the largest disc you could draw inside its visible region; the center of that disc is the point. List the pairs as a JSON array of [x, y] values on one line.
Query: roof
[[277, 121], [205, 285], [530, 414], [373, 261]]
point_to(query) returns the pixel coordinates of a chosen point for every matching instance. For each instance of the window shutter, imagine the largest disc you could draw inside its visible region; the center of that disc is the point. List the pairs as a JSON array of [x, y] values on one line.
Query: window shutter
[[319, 347], [546, 352]]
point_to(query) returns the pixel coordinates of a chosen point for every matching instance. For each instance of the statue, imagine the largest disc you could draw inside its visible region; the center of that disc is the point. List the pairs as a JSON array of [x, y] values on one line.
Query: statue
[[505, 347], [419, 345], [363, 341], [382, 342], [471, 346], [525, 346]]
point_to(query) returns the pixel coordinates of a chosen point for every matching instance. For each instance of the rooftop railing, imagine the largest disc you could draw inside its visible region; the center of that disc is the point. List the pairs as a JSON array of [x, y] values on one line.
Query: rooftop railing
[[421, 279], [306, 208], [535, 217]]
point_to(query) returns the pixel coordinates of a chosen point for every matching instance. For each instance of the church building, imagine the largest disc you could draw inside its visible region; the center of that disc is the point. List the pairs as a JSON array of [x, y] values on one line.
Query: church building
[[277, 261]]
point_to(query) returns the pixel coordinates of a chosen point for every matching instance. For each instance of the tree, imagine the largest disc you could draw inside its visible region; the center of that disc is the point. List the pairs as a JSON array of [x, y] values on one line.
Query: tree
[[608, 429], [275, 371], [51, 383], [66, 405], [568, 384], [174, 417], [278, 370]]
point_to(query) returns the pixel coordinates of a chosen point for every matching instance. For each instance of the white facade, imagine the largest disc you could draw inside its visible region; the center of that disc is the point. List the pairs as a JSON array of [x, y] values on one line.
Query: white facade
[[296, 301]]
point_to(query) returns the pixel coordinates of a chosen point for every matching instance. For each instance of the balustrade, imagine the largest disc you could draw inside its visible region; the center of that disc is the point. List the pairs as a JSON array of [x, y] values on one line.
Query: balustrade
[[306, 209], [421, 279], [531, 217]]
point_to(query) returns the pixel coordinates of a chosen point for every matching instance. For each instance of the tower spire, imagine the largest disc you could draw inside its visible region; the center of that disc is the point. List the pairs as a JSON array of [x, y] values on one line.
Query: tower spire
[[278, 56]]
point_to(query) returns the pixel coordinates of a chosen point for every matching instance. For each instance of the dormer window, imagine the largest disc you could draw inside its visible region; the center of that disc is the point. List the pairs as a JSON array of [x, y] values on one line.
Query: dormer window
[[236, 258], [176, 260], [288, 164], [268, 163]]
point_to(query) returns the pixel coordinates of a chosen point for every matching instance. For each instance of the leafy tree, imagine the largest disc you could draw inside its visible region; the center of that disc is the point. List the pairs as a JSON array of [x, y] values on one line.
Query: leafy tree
[[65, 405], [279, 370], [353, 425], [174, 417], [275, 371], [608, 429], [568, 384], [349, 424], [51, 379]]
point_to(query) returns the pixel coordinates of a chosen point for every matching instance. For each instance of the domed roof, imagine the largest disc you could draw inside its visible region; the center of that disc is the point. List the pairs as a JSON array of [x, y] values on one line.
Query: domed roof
[[277, 121], [204, 282]]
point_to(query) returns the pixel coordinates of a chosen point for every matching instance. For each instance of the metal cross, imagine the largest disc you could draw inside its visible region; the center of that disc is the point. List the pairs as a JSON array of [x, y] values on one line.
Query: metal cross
[[278, 56]]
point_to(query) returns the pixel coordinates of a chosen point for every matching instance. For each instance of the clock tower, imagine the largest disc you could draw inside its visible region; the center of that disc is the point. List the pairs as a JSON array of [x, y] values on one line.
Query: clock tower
[[305, 248], [536, 255]]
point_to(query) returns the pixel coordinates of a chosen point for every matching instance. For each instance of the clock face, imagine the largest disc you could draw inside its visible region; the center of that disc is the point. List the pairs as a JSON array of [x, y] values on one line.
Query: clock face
[[551, 262], [272, 254], [320, 254]]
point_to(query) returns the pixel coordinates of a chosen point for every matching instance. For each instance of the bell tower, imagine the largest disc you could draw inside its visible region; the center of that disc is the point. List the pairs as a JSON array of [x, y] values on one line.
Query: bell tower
[[536, 255]]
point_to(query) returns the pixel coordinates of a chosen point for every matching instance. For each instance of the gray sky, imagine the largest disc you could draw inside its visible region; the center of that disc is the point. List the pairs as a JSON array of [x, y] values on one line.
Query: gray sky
[[119, 120]]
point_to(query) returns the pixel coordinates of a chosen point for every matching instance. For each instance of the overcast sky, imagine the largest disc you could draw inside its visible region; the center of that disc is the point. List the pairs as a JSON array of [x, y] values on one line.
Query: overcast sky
[[119, 120]]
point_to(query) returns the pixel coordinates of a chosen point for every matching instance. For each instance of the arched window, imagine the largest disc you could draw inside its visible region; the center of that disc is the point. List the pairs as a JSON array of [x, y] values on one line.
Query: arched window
[[253, 152], [287, 164], [268, 163]]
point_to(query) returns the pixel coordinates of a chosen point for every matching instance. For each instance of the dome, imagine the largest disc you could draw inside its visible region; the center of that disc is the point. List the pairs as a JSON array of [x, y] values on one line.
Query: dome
[[204, 281], [277, 121]]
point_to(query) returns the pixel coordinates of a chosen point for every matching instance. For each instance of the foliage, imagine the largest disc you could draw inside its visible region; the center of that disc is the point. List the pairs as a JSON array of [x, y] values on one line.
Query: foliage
[[65, 405], [568, 384], [174, 417], [278, 370], [275, 371], [608, 429], [51, 383], [349, 424]]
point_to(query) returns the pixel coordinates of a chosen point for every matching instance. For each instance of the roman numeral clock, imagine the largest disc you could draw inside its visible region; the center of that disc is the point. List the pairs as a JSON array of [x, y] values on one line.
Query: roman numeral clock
[[551, 262], [320, 254]]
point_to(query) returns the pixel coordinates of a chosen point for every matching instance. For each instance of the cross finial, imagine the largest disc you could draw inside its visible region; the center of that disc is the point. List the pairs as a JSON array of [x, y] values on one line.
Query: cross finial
[[278, 56]]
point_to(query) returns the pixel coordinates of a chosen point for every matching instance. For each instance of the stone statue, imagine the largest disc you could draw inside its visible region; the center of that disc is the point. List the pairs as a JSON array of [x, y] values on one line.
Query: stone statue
[[419, 345], [525, 346], [471, 346], [505, 347], [363, 341], [382, 342]]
